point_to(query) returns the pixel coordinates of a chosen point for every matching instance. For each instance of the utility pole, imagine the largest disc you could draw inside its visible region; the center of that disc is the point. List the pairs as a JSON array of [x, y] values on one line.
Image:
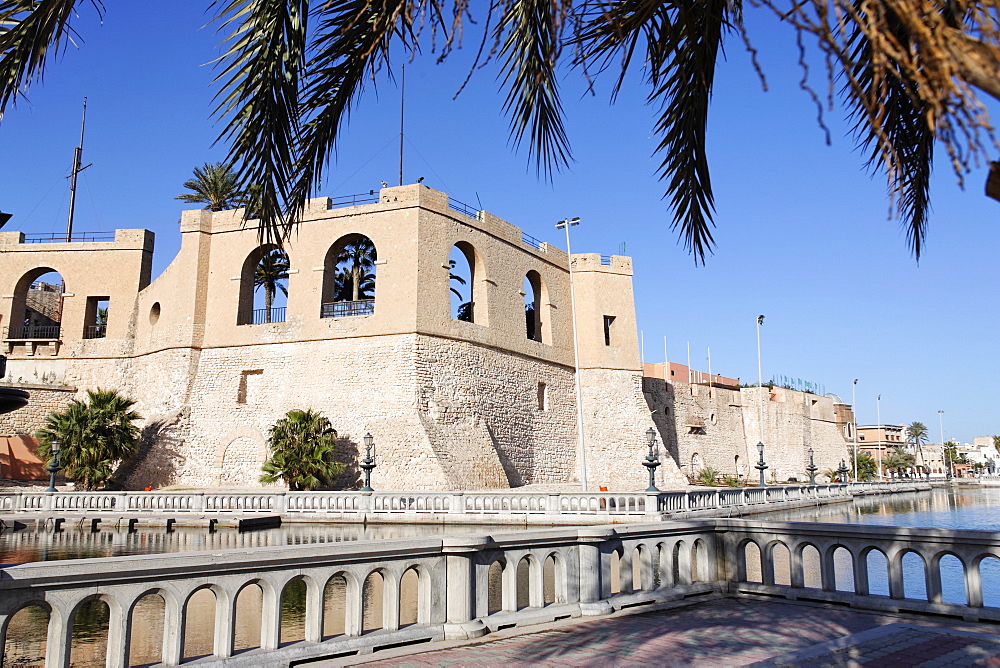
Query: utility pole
[[402, 101], [77, 159]]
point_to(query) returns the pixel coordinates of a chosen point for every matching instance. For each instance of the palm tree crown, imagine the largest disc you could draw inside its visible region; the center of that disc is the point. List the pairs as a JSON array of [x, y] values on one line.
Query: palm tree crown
[[357, 260], [302, 445], [271, 274], [215, 186], [94, 436]]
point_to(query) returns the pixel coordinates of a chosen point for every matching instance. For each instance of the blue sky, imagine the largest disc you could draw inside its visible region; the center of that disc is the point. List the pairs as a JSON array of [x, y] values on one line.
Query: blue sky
[[803, 234]]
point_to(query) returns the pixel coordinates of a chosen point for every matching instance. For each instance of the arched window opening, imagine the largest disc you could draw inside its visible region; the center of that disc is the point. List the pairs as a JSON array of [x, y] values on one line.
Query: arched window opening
[[349, 278], [523, 583], [914, 576], [878, 573], [24, 644], [461, 281], [494, 588], [37, 309], [409, 598], [752, 562], [781, 564], [952, 580], [843, 569], [549, 580], [616, 572], [263, 287], [811, 568], [537, 311]]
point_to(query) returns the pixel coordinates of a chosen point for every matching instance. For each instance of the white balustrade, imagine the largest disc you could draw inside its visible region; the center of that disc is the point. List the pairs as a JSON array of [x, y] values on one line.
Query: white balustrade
[[464, 586]]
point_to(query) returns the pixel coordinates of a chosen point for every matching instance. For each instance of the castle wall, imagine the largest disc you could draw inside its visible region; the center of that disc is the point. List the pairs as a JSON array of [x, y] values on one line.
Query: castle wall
[[45, 399]]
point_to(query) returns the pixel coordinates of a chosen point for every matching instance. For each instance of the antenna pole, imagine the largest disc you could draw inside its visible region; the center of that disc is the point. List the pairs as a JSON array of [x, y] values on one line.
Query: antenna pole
[[402, 100], [77, 159]]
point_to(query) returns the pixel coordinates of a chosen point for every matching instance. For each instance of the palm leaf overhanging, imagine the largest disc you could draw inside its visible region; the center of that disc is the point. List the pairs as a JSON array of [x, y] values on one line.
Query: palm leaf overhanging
[[292, 70]]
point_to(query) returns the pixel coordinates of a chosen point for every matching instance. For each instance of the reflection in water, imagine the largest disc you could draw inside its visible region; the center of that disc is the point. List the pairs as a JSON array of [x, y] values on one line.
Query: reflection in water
[[25, 644]]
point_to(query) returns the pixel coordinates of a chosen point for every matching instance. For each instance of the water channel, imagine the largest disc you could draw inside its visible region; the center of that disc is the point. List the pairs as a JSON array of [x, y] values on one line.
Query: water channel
[[955, 508]]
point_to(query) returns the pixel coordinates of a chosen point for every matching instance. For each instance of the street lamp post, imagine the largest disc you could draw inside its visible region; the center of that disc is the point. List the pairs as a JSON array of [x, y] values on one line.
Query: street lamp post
[[881, 434], [53, 467], [947, 462], [652, 459], [811, 468], [761, 466], [842, 471], [581, 444], [368, 463]]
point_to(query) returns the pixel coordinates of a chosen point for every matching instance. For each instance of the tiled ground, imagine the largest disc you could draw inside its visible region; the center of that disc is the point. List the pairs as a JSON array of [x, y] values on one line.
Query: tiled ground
[[730, 632]]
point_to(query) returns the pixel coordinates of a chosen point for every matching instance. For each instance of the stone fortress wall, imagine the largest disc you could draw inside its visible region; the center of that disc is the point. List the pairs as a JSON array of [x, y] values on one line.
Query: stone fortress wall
[[451, 404]]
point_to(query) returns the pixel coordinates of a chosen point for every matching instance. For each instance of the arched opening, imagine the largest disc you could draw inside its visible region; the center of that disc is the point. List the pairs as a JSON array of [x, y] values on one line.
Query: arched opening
[[494, 588], [700, 568], [349, 278], [468, 291], [334, 606], [523, 583], [37, 307], [811, 568], [637, 563], [372, 602], [537, 311], [409, 597], [663, 575], [696, 464], [781, 563], [249, 610], [199, 630], [263, 286], [952, 580], [752, 563], [549, 580], [24, 643], [989, 577], [89, 645], [843, 569], [293, 611], [914, 576], [616, 571], [878, 573], [146, 630]]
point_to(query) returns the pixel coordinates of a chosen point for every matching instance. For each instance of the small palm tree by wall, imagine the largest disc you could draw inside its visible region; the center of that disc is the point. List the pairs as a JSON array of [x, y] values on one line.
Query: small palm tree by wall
[[215, 186], [271, 274], [95, 437], [302, 445]]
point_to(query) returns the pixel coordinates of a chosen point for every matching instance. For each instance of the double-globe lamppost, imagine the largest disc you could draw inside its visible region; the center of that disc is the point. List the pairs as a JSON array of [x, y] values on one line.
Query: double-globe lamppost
[[581, 444]]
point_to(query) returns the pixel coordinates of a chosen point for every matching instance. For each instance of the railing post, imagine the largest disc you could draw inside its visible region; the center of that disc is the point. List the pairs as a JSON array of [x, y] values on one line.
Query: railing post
[[457, 504], [895, 564], [118, 637], [460, 554], [279, 503], [553, 503], [58, 639], [591, 573], [652, 503], [198, 503]]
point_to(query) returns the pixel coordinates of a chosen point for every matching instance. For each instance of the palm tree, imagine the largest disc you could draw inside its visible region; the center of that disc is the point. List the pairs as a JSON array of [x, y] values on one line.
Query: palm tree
[[359, 258], [271, 274], [302, 445], [464, 311], [917, 434], [214, 185], [95, 436], [909, 71]]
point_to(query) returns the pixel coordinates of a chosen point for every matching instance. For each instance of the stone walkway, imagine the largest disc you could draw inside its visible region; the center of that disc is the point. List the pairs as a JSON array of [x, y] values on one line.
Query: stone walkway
[[729, 632]]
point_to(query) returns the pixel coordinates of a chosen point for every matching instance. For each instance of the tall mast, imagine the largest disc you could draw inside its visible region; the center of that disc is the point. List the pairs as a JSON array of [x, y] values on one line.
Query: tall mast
[[402, 100], [77, 159]]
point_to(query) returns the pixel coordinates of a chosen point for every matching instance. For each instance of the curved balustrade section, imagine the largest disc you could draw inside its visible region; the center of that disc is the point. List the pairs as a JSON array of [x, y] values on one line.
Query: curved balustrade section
[[459, 587]]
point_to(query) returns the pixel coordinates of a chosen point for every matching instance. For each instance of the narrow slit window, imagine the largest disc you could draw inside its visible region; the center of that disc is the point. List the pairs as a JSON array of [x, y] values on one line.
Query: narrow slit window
[[609, 322], [543, 397]]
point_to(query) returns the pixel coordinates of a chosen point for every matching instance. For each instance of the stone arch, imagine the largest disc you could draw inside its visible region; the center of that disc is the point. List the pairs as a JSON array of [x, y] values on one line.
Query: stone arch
[[470, 305], [349, 277], [914, 584], [664, 571], [701, 562], [750, 561], [247, 313], [115, 613], [696, 463], [155, 649], [414, 596], [374, 595], [199, 639], [250, 634], [988, 568], [880, 585], [807, 560], [294, 601], [842, 561], [340, 597], [494, 585], [537, 309], [31, 632], [777, 563], [554, 578], [524, 568], [36, 314], [239, 458], [950, 590]]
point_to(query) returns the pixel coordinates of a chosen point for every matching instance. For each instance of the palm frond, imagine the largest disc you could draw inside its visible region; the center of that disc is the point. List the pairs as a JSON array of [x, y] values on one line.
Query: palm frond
[[531, 49], [32, 32], [352, 43], [900, 140], [260, 76]]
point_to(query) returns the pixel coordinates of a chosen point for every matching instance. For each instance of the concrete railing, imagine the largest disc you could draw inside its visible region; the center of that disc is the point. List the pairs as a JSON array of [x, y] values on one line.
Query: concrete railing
[[392, 505], [465, 586]]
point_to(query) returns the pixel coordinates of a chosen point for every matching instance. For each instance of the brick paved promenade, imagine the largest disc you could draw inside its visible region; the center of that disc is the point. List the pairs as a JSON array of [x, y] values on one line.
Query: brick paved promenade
[[730, 632]]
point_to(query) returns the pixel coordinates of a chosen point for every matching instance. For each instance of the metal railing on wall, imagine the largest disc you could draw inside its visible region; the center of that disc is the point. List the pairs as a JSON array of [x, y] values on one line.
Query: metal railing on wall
[[39, 332], [95, 332], [347, 309], [261, 316], [57, 237]]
